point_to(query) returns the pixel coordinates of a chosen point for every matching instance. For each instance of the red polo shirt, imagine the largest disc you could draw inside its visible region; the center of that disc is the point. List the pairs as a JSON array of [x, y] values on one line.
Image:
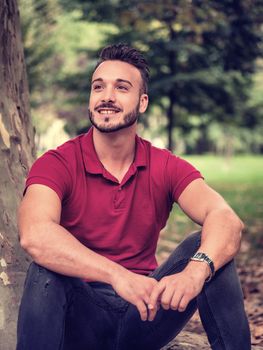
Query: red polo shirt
[[120, 221]]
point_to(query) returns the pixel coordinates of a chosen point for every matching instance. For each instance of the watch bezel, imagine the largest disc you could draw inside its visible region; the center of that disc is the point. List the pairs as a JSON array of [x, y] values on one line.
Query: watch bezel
[[203, 257]]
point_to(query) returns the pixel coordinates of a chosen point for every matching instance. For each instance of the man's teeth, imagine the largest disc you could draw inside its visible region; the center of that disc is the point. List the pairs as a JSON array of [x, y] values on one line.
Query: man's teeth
[[108, 111]]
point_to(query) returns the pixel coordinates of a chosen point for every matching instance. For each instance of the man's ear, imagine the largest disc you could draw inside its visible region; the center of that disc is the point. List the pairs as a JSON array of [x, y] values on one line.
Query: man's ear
[[144, 100]]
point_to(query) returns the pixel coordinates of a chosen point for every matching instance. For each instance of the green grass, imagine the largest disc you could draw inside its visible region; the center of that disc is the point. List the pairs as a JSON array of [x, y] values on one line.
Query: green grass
[[240, 181], [239, 169]]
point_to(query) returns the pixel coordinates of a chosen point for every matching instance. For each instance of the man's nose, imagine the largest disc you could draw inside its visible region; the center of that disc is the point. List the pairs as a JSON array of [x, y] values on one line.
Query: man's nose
[[109, 95]]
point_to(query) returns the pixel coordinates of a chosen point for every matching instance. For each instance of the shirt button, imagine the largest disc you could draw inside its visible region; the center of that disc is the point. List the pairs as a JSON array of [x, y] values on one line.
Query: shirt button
[[120, 188]]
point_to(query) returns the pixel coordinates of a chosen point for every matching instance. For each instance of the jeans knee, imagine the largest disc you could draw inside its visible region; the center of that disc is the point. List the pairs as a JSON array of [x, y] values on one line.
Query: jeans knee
[[42, 282], [45, 293], [42, 310], [190, 244], [194, 238]]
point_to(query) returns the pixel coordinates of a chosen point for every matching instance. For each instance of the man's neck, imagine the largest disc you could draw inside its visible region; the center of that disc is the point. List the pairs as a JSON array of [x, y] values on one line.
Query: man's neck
[[115, 150]]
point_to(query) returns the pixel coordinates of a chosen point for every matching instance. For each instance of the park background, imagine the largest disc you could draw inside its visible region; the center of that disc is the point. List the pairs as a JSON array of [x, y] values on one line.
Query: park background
[[206, 97]]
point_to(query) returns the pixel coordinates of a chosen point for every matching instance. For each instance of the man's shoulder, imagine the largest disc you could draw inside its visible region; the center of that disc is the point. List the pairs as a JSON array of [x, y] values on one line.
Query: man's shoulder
[[67, 155], [58, 168]]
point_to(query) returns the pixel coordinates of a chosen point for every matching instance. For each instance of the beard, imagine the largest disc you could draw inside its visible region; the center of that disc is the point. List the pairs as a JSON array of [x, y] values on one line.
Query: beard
[[106, 126]]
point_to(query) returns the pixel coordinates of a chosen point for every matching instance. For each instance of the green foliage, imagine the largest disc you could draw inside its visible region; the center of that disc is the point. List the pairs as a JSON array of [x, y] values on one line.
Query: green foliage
[[54, 43], [38, 23], [201, 53]]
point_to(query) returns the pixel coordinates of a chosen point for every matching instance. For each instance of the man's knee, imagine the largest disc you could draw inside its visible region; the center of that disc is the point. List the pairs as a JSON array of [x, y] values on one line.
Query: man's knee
[[41, 282], [42, 309], [189, 245], [45, 292], [194, 238]]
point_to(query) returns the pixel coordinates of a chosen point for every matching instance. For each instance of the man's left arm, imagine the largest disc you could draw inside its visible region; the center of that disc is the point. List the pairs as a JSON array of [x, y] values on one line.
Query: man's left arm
[[220, 241]]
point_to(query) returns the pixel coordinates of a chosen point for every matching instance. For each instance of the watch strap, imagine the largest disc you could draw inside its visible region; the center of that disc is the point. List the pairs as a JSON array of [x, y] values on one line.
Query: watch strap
[[202, 257]]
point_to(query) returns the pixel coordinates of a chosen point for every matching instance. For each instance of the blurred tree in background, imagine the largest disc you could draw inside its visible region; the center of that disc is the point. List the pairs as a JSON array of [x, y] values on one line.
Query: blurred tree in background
[[204, 56]]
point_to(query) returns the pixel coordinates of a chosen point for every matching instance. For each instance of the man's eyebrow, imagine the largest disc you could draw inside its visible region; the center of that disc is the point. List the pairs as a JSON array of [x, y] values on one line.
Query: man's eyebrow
[[98, 79], [124, 81], [117, 80]]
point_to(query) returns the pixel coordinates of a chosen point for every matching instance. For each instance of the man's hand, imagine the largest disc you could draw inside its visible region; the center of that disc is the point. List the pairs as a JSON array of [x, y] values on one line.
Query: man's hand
[[136, 289], [176, 291]]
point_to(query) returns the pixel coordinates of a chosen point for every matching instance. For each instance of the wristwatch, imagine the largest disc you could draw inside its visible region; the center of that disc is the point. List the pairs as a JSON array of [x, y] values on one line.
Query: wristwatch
[[199, 256]]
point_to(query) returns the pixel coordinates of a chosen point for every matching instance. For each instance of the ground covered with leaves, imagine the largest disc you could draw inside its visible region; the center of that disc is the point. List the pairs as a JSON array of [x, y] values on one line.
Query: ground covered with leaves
[[251, 275]]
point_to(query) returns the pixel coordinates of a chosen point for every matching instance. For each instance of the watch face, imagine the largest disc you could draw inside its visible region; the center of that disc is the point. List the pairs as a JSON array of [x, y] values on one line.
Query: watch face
[[199, 256]]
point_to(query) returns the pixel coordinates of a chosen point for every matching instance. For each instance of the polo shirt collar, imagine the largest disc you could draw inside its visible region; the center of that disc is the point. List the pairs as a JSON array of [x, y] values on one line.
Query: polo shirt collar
[[91, 161]]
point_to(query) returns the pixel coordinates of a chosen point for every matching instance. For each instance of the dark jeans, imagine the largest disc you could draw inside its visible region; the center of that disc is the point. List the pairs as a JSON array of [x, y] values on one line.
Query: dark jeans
[[59, 312]]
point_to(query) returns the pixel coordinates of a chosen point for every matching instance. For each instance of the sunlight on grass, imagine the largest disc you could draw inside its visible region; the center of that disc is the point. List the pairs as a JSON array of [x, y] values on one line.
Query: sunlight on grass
[[240, 182]]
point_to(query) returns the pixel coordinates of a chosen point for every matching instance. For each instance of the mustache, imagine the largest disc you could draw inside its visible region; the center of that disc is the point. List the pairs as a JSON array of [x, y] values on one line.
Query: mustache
[[108, 105]]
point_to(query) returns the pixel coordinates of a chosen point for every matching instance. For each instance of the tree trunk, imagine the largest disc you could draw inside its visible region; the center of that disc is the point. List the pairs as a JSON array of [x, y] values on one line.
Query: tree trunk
[[16, 156], [172, 95], [170, 126]]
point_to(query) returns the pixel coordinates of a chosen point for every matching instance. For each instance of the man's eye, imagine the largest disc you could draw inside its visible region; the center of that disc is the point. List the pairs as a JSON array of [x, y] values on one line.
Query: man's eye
[[122, 87], [97, 87]]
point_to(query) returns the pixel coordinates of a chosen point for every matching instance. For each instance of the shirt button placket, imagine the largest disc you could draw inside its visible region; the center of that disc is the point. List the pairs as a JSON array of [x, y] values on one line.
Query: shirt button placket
[[118, 200]]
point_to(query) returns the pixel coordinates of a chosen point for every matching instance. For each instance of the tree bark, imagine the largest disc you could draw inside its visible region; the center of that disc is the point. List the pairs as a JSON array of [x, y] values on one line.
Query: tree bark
[[170, 126], [172, 95], [16, 156]]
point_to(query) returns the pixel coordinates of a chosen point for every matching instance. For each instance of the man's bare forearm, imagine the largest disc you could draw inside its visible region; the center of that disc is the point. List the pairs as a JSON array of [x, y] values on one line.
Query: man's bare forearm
[[53, 247], [57, 250], [221, 236]]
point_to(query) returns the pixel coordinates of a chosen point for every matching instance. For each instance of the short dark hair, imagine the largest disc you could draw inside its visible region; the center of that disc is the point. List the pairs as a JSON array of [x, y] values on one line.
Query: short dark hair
[[125, 53]]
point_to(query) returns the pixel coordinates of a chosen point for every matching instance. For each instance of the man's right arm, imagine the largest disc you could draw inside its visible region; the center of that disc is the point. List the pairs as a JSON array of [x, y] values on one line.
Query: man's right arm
[[52, 246]]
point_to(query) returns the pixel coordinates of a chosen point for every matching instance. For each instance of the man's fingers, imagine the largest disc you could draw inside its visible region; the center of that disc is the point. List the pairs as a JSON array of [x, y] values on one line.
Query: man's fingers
[[156, 292], [152, 312], [142, 310], [183, 303], [177, 297], [166, 298], [170, 295], [153, 304]]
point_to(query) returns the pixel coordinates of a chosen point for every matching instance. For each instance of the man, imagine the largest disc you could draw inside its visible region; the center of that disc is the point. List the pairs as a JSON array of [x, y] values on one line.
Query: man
[[91, 217]]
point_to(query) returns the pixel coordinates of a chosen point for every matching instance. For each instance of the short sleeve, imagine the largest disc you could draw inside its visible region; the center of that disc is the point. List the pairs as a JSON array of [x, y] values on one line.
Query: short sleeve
[[180, 174], [51, 170]]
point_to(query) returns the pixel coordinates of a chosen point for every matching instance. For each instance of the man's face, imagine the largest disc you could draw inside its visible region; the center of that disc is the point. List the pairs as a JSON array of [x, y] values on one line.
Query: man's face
[[115, 99]]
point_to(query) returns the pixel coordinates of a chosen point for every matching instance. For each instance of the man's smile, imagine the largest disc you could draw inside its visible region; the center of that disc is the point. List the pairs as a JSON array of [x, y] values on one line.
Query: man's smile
[[105, 111]]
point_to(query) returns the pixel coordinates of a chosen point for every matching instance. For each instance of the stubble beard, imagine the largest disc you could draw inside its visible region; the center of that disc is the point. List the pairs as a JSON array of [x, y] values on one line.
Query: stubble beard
[[128, 120]]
